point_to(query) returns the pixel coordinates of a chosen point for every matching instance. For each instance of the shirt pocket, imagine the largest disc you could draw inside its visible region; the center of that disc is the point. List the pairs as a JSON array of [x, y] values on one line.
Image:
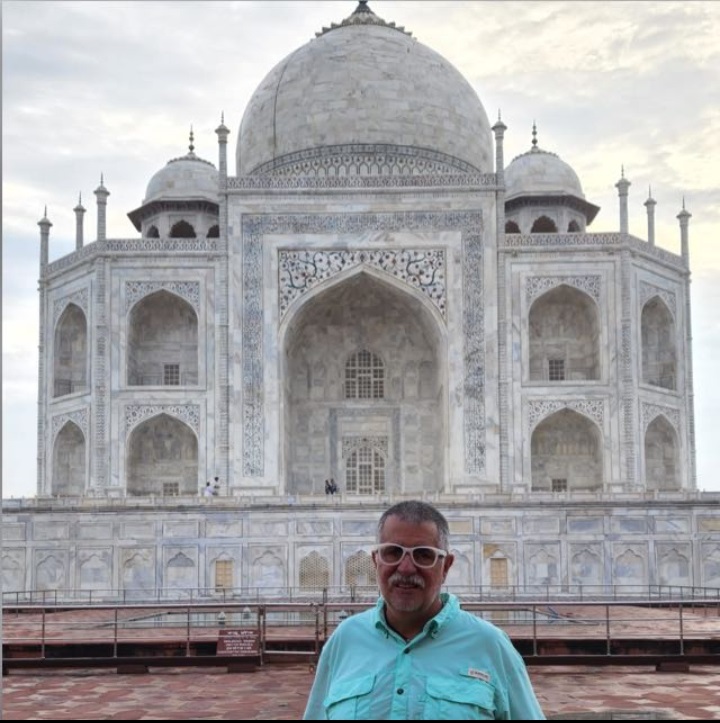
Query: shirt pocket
[[463, 699], [349, 699]]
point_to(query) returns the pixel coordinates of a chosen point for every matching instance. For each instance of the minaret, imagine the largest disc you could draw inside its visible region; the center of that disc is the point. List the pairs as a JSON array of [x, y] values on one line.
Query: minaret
[[79, 213], [498, 272], [650, 206], [222, 446], [622, 186], [45, 225], [101, 193], [684, 218]]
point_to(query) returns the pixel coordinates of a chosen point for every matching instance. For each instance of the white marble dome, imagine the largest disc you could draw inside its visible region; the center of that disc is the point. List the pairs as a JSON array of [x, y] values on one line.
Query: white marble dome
[[364, 82], [187, 178], [540, 173]]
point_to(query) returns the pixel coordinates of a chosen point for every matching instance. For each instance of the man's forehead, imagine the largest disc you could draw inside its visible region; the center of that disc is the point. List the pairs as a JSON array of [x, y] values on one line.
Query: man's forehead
[[394, 522]]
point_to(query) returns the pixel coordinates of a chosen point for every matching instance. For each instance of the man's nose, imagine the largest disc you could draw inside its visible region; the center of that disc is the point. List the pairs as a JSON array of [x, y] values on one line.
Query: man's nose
[[407, 564]]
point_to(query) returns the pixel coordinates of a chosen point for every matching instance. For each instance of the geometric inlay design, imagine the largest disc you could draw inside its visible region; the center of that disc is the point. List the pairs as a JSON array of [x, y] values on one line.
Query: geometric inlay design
[[537, 285], [352, 443], [647, 291], [79, 298], [652, 411], [188, 413], [300, 271], [80, 417], [538, 409], [188, 290]]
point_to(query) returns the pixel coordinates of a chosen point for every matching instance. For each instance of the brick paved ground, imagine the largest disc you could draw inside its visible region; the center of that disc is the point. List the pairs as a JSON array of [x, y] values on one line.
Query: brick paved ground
[[278, 692]]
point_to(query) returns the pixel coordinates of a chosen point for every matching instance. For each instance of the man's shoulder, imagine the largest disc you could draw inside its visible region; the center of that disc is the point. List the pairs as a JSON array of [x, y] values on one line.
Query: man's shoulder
[[480, 626]]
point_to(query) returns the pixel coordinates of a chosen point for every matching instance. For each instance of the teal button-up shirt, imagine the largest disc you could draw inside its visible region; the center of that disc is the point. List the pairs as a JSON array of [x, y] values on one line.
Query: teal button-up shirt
[[458, 668]]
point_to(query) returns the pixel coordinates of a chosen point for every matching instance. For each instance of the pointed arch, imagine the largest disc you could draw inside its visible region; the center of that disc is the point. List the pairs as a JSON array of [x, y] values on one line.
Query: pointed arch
[[70, 352], [564, 336], [314, 572], [182, 229], [162, 458], [69, 461], [566, 453], [213, 231], [162, 344], [662, 463], [152, 232], [543, 224], [574, 227], [659, 350], [367, 312], [511, 227], [360, 571]]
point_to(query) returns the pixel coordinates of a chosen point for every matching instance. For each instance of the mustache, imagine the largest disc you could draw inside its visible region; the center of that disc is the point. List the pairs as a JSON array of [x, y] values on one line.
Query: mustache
[[398, 578]]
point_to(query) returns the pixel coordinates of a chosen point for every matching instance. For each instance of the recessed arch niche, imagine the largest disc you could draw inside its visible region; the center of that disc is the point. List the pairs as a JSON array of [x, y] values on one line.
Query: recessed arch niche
[[363, 311]]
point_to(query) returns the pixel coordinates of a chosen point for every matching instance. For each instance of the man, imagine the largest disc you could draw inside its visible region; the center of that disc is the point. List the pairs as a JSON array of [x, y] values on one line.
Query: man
[[208, 491], [416, 655]]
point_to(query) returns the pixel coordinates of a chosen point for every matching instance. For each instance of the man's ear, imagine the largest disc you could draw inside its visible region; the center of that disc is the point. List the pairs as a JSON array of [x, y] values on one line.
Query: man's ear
[[373, 554], [447, 564]]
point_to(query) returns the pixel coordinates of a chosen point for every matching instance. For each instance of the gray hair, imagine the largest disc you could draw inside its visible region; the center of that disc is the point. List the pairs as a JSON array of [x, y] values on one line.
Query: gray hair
[[417, 512]]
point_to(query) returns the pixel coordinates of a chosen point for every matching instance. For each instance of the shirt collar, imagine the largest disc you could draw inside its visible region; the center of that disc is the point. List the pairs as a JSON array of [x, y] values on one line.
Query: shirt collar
[[449, 610]]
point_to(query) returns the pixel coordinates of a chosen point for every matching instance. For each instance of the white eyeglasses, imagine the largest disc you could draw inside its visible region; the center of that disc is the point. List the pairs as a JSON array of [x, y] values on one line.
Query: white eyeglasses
[[391, 554]]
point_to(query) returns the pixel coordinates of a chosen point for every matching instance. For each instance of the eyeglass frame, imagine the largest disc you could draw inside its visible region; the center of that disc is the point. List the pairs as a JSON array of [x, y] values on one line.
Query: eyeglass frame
[[439, 554]]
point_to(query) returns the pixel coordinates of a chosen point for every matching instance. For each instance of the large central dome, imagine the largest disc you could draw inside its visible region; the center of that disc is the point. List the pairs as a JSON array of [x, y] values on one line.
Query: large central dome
[[365, 83]]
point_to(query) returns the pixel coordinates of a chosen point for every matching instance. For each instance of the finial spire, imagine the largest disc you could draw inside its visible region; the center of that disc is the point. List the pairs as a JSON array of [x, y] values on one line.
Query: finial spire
[[80, 198], [683, 202], [362, 7], [45, 211], [534, 137], [622, 171], [192, 138], [222, 117]]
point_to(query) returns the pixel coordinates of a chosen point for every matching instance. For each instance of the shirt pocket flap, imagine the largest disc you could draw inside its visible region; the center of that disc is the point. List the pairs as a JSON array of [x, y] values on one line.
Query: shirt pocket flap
[[468, 691], [349, 688]]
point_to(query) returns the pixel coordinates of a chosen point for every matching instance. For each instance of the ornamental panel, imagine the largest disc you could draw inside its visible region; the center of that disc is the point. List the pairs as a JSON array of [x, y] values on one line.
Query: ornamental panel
[[647, 291], [539, 409], [79, 417], [79, 298], [188, 413], [137, 290], [536, 286], [650, 412]]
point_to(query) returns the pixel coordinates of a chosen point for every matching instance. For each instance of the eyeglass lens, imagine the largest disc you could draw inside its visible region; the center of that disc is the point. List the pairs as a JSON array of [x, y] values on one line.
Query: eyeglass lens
[[421, 556]]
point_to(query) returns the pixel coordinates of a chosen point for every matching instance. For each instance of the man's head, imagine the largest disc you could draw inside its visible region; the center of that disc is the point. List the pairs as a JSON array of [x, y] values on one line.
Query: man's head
[[409, 583]]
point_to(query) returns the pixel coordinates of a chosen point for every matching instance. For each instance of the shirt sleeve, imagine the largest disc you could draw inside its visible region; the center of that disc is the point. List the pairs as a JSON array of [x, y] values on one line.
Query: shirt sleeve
[[522, 704], [315, 707]]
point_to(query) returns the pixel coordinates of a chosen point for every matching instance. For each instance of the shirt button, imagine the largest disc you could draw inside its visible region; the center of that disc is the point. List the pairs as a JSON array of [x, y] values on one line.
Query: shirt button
[[400, 691]]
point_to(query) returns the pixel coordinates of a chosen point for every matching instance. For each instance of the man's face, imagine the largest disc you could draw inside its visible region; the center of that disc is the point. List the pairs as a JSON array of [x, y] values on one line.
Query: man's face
[[406, 587]]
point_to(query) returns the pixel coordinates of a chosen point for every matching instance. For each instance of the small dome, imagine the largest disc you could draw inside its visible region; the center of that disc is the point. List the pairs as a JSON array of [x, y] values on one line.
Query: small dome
[[186, 178], [540, 173], [365, 82]]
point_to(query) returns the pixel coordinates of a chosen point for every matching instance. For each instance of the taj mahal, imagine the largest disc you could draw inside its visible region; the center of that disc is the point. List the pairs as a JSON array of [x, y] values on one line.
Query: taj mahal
[[376, 296]]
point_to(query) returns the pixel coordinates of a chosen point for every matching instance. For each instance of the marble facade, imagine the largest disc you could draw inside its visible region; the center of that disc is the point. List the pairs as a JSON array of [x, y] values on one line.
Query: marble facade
[[385, 303]]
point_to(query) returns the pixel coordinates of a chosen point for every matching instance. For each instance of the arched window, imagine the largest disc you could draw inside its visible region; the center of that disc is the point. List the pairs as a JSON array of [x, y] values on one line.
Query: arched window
[[662, 466], [365, 472], [153, 232], [659, 364], [364, 376], [182, 229], [573, 227], [511, 227], [70, 362], [543, 225], [213, 231]]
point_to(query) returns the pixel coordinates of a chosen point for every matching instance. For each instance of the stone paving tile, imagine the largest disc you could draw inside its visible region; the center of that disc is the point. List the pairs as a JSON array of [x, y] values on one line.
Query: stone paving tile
[[278, 692]]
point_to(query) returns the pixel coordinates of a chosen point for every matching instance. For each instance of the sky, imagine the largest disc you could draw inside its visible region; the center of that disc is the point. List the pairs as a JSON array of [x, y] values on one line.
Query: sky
[[113, 88]]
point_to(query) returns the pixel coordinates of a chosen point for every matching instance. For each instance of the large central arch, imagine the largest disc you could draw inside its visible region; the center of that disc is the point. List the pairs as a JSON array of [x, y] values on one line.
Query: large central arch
[[364, 377]]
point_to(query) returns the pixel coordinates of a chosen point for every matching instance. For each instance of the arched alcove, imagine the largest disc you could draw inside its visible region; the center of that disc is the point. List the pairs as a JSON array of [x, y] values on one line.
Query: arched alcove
[[162, 342], [68, 476], [213, 231], [70, 349], [566, 453], [360, 570], [162, 458], [347, 353], [662, 465], [659, 356], [543, 224], [564, 333], [152, 232], [574, 227], [314, 572], [182, 229], [511, 227]]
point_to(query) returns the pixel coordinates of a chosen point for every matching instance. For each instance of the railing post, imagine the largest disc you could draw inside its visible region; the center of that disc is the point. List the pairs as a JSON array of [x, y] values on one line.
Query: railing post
[[115, 638], [607, 629], [682, 640], [187, 640], [534, 612], [42, 639]]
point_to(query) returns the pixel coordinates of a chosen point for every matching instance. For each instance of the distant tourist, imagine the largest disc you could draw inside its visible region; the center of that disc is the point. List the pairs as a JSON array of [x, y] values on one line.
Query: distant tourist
[[328, 488], [333, 486], [208, 491]]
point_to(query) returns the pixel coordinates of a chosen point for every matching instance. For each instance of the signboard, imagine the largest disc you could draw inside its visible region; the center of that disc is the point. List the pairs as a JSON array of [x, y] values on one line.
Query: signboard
[[241, 643]]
